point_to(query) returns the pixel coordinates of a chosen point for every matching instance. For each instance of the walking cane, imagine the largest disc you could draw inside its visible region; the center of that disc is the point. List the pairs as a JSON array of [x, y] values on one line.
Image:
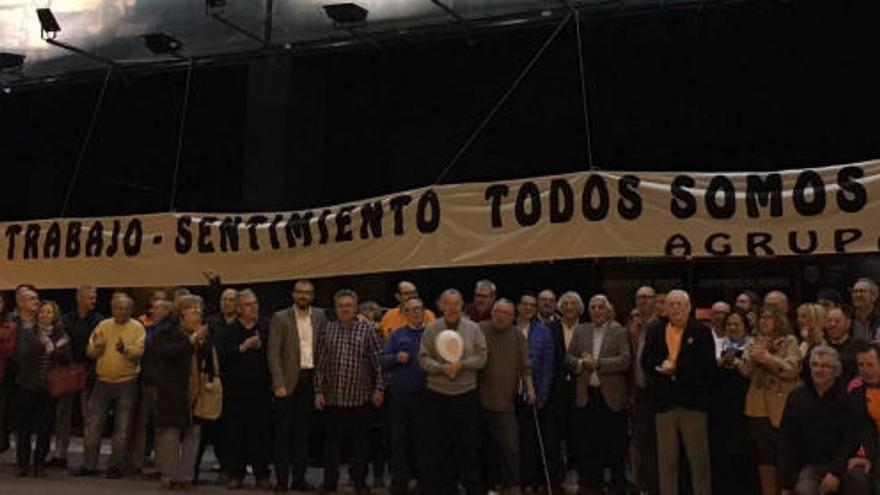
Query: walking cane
[[543, 454]]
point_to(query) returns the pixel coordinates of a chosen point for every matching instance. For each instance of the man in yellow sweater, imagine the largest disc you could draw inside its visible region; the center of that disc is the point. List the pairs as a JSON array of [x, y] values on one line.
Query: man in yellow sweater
[[116, 345]]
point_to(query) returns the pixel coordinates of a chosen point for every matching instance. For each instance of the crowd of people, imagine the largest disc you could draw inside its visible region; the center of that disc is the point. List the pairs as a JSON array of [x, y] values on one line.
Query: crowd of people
[[496, 395]]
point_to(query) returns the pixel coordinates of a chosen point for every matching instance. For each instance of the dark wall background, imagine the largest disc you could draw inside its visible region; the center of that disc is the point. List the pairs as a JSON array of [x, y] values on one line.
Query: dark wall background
[[744, 86]]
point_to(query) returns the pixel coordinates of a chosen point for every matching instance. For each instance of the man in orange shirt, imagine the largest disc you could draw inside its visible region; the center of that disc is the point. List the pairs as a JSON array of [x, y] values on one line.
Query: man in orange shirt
[[395, 318], [679, 364]]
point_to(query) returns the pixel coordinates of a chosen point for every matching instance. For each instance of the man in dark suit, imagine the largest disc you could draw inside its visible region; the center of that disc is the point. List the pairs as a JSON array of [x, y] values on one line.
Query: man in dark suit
[[294, 335], [599, 355], [679, 364]]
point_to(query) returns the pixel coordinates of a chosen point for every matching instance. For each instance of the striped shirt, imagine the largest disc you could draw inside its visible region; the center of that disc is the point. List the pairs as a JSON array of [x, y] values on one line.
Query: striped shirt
[[348, 370]]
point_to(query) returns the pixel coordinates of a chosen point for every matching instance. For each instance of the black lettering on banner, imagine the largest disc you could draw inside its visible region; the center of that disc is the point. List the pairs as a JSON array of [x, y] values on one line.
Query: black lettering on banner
[[371, 220], [683, 204], [183, 241], [718, 250], [73, 244], [397, 204], [759, 240], [629, 205], [728, 206], [343, 224], [561, 201], [32, 241], [95, 239], [322, 227], [678, 245], [852, 196], [52, 244], [11, 233], [204, 244], [299, 226], [134, 236], [496, 192], [253, 237], [598, 212], [528, 192], [795, 246], [114, 239], [804, 206], [273, 234], [763, 192], [843, 237], [427, 224], [229, 234]]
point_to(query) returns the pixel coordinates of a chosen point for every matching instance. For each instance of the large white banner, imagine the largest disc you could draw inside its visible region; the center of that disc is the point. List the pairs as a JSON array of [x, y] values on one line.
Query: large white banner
[[583, 215]]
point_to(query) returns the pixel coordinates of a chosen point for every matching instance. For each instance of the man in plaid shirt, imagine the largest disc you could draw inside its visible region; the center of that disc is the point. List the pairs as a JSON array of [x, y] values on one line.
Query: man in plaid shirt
[[348, 377]]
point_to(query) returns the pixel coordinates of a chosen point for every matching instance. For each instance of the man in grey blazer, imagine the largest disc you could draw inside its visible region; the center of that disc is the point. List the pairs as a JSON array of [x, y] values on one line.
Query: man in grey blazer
[[294, 337], [599, 354]]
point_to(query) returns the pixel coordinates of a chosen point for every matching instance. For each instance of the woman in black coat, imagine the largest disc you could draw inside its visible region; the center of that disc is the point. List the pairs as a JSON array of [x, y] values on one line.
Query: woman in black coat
[[179, 351], [733, 470]]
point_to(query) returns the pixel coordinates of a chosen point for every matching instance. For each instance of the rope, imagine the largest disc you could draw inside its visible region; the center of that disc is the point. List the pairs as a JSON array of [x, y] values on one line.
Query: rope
[[82, 150], [501, 101], [174, 179]]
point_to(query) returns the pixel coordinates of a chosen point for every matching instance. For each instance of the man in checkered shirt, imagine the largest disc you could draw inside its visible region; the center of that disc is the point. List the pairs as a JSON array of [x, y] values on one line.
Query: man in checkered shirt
[[348, 377]]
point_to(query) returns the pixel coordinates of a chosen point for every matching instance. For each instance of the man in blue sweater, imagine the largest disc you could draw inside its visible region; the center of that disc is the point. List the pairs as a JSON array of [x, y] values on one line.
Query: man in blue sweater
[[405, 396]]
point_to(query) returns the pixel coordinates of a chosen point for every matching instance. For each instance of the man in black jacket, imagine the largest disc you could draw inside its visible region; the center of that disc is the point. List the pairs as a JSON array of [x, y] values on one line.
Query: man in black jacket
[[820, 434], [246, 400], [679, 363]]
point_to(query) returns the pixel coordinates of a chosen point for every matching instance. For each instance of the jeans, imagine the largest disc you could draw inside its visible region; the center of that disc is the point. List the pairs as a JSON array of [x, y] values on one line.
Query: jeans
[[122, 397], [855, 482], [691, 426], [406, 435], [146, 414], [176, 450], [293, 417], [354, 422], [452, 451], [64, 419]]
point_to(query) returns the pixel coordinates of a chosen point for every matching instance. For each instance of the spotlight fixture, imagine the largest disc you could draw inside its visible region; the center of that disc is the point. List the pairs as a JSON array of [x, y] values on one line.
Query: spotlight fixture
[[11, 61], [48, 24], [162, 43], [346, 14]]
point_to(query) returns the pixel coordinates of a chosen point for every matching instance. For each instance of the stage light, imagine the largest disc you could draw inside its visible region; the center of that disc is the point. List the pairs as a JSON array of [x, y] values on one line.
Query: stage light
[[346, 14], [11, 61], [48, 24], [162, 43]]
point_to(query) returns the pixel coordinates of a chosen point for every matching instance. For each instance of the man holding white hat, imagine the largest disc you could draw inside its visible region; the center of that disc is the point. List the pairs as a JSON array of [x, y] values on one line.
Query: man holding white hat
[[452, 351]]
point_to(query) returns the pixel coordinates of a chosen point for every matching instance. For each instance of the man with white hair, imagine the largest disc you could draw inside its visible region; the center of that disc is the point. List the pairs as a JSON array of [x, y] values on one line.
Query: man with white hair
[[777, 299], [679, 362], [866, 314], [559, 407], [718, 314], [819, 433], [599, 356], [451, 402]]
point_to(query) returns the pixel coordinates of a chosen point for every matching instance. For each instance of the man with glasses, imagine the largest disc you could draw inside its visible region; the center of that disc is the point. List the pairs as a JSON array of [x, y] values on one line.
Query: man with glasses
[[396, 317], [406, 396]]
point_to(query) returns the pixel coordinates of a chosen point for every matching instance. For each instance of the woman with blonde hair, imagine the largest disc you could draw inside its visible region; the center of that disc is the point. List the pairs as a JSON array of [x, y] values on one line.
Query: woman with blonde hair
[[181, 352], [772, 362], [811, 327]]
